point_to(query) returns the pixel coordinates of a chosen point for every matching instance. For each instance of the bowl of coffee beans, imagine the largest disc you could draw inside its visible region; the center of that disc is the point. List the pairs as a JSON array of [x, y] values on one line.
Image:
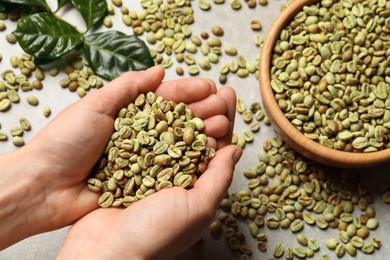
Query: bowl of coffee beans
[[325, 80]]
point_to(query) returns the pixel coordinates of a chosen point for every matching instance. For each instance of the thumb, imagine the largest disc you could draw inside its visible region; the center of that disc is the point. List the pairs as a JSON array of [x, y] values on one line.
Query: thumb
[[216, 180], [124, 89]]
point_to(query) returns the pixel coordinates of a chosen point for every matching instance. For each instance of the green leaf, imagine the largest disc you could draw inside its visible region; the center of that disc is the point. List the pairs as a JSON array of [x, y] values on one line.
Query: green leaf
[[46, 36], [39, 3], [111, 53], [3, 8], [22, 9], [61, 3], [92, 11]]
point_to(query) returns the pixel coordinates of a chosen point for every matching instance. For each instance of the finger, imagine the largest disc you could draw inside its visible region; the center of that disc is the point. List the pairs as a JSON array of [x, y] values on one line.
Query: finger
[[215, 181], [186, 90], [212, 142], [124, 89], [229, 95], [216, 126], [86, 201], [208, 107]]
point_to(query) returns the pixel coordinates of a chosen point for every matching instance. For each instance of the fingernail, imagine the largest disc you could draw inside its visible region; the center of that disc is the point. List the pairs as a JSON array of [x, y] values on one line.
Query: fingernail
[[237, 155]]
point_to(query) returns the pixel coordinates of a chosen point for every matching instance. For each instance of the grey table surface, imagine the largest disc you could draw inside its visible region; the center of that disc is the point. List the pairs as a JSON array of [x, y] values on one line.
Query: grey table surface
[[238, 34]]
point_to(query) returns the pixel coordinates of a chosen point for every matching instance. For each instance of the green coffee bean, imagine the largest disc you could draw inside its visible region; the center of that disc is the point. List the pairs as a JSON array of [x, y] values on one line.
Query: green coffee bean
[[212, 57], [263, 2], [350, 249], [213, 42], [11, 38], [299, 252], [179, 71], [189, 59], [5, 104], [255, 25], [204, 64], [25, 124], [193, 70], [313, 244], [215, 228], [231, 51], [13, 96], [253, 229], [302, 239], [278, 250], [235, 4], [18, 141], [3, 27], [126, 19], [262, 246], [3, 135], [117, 3], [372, 223], [368, 248], [204, 5], [217, 31], [296, 225], [46, 111], [32, 100], [107, 22], [331, 243], [16, 131]]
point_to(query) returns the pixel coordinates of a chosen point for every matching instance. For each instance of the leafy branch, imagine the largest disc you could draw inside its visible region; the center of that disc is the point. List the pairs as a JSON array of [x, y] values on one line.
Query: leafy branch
[[46, 36]]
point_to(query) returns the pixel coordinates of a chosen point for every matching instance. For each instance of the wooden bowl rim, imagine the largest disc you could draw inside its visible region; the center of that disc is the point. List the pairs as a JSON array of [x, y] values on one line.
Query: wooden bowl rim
[[288, 132]]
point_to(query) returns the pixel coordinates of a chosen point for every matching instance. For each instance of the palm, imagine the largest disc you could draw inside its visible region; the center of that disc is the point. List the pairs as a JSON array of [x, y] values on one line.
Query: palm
[[145, 220], [161, 225]]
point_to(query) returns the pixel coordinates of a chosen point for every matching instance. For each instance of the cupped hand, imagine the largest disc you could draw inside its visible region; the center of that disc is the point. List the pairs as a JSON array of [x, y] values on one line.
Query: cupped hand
[[70, 145], [169, 221]]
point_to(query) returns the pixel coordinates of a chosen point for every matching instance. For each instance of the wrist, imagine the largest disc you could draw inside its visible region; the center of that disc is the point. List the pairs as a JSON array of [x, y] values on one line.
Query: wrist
[[22, 197]]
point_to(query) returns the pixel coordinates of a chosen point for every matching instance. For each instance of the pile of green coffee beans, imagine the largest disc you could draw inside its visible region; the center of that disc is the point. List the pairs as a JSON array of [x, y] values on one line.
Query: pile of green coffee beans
[[166, 26], [286, 191], [157, 144], [331, 74]]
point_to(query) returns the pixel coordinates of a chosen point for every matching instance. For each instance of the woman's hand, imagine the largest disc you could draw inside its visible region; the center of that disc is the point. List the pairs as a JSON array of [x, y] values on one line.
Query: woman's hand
[[157, 227]]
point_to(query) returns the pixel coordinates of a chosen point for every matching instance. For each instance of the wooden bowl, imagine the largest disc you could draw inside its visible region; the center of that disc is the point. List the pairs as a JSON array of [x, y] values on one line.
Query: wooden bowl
[[293, 137]]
